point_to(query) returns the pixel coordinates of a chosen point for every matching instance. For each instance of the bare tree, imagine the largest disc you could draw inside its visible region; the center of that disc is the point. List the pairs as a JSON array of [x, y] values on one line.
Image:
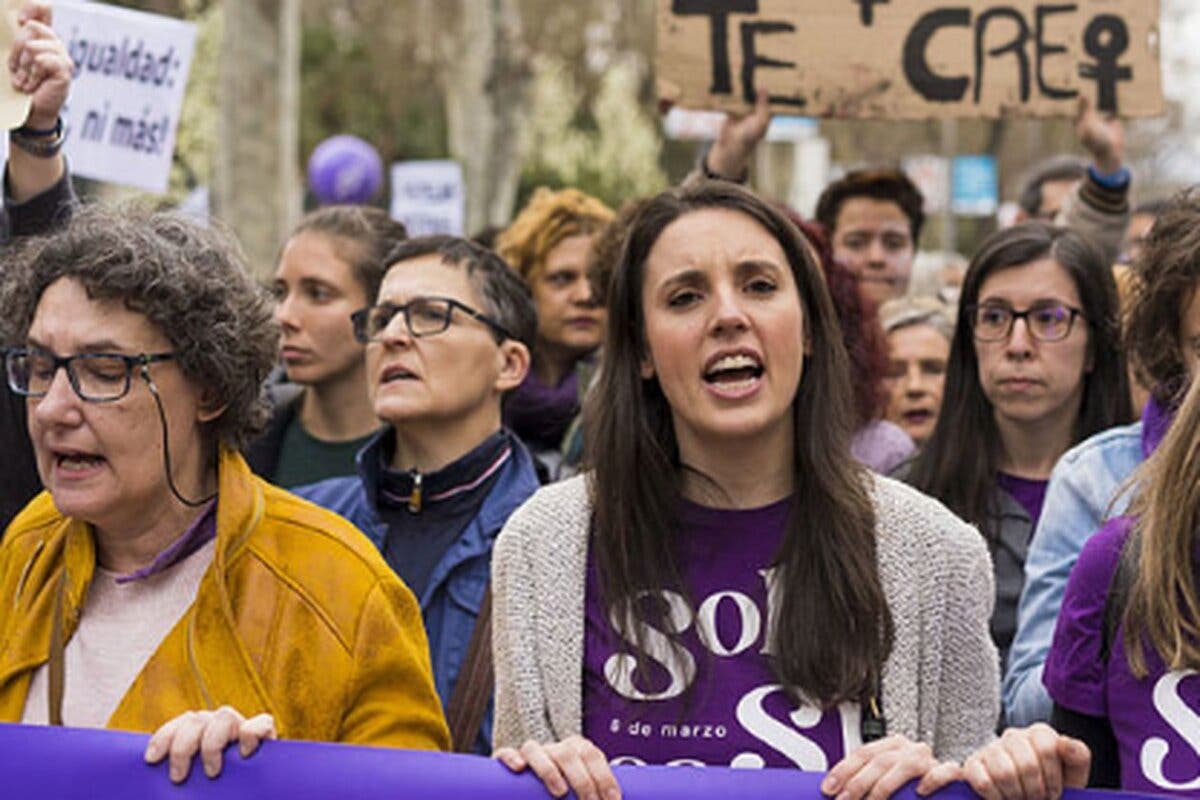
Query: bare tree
[[256, 186], [484, 74]]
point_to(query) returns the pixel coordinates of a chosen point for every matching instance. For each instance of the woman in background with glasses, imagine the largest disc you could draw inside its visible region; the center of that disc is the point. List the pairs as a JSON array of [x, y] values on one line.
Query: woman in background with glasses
[[1035, 367], [157, 574], [447, 338]]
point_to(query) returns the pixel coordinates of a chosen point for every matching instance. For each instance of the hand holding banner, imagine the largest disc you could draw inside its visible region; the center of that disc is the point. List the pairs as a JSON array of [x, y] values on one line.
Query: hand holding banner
[[74, 764]]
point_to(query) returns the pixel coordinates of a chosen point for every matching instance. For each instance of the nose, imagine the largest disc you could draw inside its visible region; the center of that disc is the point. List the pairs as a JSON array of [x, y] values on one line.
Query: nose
[[581, 292], [60, 404], [1020, 342], [396, 332], [914, 382], [876, 253], [285, 313], [728, 315]]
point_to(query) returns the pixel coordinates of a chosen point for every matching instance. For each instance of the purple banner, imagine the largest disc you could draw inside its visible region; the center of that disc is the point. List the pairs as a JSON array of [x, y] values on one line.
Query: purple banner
[[78, 764]]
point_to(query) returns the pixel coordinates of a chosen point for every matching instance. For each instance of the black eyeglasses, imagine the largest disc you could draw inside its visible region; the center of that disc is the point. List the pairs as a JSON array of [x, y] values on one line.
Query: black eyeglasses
[[1046, 322], [95, 377], [424, 316]]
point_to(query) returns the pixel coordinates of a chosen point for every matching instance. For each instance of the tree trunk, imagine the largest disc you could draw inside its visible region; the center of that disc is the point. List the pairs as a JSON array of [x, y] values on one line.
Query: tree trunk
[[484, 76], [256, 183]]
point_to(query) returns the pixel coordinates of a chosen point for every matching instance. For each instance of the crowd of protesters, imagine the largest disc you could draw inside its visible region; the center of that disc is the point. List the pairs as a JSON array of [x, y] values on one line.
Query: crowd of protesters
[[696, 482]]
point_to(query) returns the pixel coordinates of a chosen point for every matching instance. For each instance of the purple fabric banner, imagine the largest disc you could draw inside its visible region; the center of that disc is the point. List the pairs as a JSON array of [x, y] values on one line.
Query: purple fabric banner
[[74, 764]]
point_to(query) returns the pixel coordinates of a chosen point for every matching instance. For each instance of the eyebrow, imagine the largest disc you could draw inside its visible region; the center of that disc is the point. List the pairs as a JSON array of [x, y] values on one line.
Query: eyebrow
[[101, 346], [1038, 302], [757, 265], [313, 280], [687, 277]]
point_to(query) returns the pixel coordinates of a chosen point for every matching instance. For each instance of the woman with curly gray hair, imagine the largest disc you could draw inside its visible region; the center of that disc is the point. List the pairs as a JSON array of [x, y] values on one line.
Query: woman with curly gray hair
[[156, 574]]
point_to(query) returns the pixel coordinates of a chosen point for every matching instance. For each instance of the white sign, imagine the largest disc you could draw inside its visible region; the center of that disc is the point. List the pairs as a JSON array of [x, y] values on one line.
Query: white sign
[[931, 174], [693, 126], [131, 69], [704, 126], [429, 197]]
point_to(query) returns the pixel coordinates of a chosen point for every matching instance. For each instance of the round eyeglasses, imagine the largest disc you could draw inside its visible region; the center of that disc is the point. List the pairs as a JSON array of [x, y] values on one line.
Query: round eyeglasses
[[423, 316], [95, 377], [1046, 322]]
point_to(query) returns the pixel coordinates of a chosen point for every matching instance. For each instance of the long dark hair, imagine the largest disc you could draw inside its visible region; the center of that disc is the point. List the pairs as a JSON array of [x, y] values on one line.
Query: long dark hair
[[964, 477], [861, 332], [1163, 610], [834, 630]]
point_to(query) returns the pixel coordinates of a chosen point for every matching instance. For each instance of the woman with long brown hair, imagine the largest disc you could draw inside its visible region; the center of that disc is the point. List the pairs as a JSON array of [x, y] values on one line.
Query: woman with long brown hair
[[1035, 367], [1126, 651], [727, 585]]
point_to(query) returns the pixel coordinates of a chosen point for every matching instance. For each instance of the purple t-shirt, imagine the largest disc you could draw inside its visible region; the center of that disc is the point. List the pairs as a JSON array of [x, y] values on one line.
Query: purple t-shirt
[[716, 703], [1156, 720], [1029, 493]]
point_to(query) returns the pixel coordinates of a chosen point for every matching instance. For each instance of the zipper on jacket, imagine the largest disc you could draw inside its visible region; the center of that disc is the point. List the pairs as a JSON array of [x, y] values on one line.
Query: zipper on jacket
[[414, 499]]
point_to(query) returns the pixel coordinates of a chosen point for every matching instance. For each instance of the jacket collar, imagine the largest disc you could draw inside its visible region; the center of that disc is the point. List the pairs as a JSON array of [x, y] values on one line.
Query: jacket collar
[[369, 462], [516, 483], [70, 551]]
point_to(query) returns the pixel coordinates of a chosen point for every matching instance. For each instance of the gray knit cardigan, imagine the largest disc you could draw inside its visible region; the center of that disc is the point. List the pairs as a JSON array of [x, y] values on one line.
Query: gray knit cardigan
[[940, 685]]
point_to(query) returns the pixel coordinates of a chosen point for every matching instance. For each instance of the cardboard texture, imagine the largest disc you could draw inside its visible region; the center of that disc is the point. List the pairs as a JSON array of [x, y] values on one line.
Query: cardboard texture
[[912, 59], [14, 105]]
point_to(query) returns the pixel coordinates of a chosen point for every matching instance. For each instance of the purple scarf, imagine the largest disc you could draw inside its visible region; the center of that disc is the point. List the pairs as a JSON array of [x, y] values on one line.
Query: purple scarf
[[540, 414]]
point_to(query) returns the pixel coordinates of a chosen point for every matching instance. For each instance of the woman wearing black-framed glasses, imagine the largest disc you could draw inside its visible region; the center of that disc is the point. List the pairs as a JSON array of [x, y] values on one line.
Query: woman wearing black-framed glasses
[[446, 339], [1035, 367], [148, 581]]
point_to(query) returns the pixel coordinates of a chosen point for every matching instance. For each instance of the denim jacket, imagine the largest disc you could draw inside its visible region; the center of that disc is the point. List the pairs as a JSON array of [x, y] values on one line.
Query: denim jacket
[[451, 601], [1084, 491]]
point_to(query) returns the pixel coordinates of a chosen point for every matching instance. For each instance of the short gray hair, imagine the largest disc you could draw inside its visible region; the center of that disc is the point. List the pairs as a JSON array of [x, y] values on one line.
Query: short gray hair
[[904, 312], [190, 282]]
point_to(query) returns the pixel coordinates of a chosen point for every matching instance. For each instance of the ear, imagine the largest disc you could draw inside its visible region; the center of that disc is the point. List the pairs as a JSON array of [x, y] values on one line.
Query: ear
[[514, 361], [646, 368], [210, 407]]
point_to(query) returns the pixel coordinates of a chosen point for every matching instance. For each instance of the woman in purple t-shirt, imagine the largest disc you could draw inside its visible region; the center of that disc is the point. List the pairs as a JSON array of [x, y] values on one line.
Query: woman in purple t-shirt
[[1124, 667], [1035, 367], [726, 586]]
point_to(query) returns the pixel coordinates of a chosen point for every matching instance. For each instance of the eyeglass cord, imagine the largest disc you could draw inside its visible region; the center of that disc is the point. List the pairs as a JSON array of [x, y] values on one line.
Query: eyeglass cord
[[162, 418]]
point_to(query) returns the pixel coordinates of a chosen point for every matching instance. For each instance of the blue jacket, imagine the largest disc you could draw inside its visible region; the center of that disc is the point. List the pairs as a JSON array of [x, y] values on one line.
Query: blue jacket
[[450, 603], [1084, 491]]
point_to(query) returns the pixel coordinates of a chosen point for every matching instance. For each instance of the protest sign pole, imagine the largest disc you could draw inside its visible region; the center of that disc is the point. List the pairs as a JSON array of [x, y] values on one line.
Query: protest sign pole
[[949, 131]]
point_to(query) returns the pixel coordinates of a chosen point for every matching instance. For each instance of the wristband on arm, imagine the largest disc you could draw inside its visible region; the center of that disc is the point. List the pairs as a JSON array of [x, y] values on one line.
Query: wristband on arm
[[39, 142]]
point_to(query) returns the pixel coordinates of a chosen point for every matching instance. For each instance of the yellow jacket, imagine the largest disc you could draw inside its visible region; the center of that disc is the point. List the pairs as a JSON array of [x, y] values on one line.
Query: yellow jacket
[[298, 616]]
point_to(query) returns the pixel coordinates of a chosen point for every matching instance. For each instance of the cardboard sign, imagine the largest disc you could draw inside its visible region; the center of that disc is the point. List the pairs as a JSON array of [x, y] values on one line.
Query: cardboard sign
[[429, 197], [912, 59], [14, 105], [131, 70]]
